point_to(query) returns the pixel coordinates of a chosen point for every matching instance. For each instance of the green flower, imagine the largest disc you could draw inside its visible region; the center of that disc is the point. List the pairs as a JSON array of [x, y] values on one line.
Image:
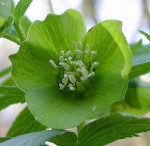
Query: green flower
[[69, 75]]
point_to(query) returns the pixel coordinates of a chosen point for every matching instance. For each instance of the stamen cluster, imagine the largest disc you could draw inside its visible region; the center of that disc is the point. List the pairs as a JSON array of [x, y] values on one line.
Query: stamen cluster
[[76, 67]]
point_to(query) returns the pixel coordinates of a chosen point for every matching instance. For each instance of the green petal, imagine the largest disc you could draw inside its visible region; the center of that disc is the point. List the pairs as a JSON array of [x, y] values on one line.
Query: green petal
[[31, 68], [114, 54], [33, 73], [56, 110], [58, 32]]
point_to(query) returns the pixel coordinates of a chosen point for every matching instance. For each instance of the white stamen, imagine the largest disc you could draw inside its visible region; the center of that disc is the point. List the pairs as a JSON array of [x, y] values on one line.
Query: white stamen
[[62, 53], [75, 67], [61, 59], [83, 79], [93, 53], [71, 87], [72, 79], [79, 53], [61, 64], [64, 65], [65, 75], [70, 58], [87, 50], [74, 44], [80, 63], [95, 65], [53, 64], [79, 45], [68, 53], [65, 79], [91, 74], [84, 72], [61, 86]]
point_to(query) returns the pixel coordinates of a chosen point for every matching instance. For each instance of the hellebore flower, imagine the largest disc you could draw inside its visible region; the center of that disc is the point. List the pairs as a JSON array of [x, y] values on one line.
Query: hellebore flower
[[69, 75]]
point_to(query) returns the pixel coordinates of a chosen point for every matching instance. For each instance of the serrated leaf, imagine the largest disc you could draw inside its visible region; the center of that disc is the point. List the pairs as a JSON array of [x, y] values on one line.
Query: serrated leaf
[[21, 9], [112, 128], [10, 95], [24, 123], [67, 139], [34, 139]]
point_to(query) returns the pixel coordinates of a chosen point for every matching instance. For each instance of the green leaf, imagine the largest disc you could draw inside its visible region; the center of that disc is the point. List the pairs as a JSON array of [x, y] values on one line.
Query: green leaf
[[6, 20], [131, 98], [5, 77], [67, 139], [137, 103], [34, 74], [8, 82], [5, 71], [10, 32], [141, 62], [4, 11], [2, 139], [112, 128], [145, 34], [21, 8], [22, 125], [135, 46], [10, 95], [6, 26], [11, 35], [33, 139]]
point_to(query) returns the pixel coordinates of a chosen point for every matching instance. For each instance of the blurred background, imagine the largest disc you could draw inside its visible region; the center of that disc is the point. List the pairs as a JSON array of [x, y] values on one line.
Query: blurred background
[[135, 15]]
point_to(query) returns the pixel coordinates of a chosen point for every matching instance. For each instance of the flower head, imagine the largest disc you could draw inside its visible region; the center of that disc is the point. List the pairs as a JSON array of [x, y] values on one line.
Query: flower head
[[69, 75], [75, 68]]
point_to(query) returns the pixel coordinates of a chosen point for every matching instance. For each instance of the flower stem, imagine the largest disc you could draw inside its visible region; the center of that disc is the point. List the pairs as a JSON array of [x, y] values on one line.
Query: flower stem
[[20, 31]]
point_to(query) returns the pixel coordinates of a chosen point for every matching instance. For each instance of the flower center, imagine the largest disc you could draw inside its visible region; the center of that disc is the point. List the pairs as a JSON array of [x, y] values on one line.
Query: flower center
[[76, 68]]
